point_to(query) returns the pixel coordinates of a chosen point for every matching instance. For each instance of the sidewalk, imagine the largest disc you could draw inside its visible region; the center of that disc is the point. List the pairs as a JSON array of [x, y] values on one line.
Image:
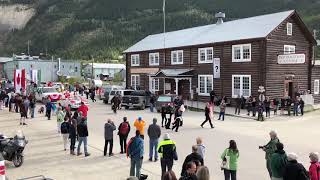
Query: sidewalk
[[230, 111]]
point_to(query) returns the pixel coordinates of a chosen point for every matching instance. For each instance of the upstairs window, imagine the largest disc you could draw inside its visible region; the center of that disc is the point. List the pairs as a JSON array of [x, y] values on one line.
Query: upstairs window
[[205, 55], [289, 29], [135, 81], [241, 53], [177, 57], [153, 59], [135, 60], [154, 84], [289, 49]]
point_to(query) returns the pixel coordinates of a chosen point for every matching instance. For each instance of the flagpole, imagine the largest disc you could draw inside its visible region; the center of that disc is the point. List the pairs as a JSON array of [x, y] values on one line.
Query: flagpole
[[164, 41]]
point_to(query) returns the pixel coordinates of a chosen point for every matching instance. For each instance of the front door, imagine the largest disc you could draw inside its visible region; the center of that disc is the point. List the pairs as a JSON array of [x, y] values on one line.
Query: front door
[[288, 90]]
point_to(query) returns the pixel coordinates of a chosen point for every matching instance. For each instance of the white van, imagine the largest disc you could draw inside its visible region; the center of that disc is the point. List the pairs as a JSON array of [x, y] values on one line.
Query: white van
[[121, 92]]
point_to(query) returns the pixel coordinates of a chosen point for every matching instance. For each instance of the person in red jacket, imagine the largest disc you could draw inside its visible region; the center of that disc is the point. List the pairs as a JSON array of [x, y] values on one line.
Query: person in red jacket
[[314, 169], [84, 109]]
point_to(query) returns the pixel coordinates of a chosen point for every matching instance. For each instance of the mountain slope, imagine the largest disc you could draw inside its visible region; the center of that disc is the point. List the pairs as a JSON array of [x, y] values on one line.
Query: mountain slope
[[78, 29]]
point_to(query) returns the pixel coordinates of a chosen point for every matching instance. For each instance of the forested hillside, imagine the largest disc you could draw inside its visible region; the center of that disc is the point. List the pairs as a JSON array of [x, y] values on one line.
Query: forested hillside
[[78, 29]]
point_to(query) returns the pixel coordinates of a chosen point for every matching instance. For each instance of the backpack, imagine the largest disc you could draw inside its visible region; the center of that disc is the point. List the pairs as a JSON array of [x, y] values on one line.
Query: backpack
[[64, 128], [124, 129]]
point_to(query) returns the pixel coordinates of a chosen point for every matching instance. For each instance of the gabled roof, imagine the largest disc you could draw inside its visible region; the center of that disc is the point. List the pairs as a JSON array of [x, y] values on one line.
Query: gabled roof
[[173, 72], [247, 28]]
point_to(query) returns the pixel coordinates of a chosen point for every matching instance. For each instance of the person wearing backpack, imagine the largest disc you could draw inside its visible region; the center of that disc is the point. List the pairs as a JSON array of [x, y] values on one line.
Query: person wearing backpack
[[124, 129], [279, 161], [154, 133], [294, 170], [314, 169], [65, 129]]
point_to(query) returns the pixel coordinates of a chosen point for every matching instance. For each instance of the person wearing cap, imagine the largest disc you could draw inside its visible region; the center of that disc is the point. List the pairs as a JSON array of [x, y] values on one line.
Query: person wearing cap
[[278, 162], [168, 153], [154, 133], [314, 168], [124, 129], [294, 170], [140, 124], [270, 148]]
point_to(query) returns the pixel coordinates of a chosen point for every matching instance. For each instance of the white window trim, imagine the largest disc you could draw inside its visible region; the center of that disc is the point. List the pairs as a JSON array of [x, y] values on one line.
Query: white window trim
[[241, 85], [153, 82], [314, 86], [289, 46], [135, 57], [289, 27], [137, 83], [154, 54], [241, 53], [178, 51], [206, 55], [205, 84]]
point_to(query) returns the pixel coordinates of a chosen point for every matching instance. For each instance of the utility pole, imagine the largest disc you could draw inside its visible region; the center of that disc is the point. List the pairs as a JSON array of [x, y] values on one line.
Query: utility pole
[[28, 47]]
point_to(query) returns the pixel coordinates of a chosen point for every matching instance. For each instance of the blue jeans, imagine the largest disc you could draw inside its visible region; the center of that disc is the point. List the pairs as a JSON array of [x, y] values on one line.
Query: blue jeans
[[135, 168], [32, 112], [151, 107], [85, 142], [221, 114], [153, 147]]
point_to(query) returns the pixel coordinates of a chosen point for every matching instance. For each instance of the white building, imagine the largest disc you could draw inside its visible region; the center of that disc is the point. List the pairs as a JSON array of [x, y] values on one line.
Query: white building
[[103, 70]]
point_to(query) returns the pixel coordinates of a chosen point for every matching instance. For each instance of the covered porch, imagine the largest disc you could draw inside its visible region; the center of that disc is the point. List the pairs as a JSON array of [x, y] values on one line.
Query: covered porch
[[175, 81]]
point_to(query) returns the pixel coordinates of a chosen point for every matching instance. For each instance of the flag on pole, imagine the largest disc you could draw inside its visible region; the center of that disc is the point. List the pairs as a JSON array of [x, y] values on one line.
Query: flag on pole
[[23, 79], [17, 80], [164, 6], [34, 75]]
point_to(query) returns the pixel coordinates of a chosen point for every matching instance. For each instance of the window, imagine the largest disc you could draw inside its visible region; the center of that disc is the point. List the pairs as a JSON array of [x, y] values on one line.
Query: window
[[241, 85], [153, 59], [289, 49], [241, 53], [289, 29], [316, 86], [135, 60], [205, 84], [154, 84], [205, 55], [135, 81], [76, 69], [177, 57]]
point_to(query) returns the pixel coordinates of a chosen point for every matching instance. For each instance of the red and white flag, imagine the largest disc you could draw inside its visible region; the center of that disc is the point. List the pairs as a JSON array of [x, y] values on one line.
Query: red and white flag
[[19, 80]]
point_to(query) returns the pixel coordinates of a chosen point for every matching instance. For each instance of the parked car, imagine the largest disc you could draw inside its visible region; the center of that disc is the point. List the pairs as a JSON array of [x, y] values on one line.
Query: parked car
[[164, 100], [74, 102], [106, 92], [137, 99], [122, 92], [48, 92]]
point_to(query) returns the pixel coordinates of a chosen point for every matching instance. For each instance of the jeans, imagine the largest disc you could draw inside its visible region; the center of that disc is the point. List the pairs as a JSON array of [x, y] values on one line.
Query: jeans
[[123, 143], [166, 165], [295, 110], [48, 114], [237, 111], [221, 114], [106, 142], [135, 168], [59, 127], [151, 107], [164, 119], [230, 174], [85, 141], [32, 112], [207, 119], [72, 143], [153, 147]]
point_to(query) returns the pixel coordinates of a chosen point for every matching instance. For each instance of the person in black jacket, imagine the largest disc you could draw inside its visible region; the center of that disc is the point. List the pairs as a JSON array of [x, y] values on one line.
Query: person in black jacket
[[294, 170], [190, 174], [163, 116], [82, 130], [65, 129], [289, 102], [193, 157], [207, 114], [73, 135], [301, 103]]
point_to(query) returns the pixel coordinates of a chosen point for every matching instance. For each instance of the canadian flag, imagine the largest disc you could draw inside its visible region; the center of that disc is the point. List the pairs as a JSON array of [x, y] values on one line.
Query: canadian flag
[[19, 80]]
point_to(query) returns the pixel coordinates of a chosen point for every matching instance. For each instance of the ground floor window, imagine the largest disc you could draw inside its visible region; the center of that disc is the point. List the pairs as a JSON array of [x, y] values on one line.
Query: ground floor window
[[316, 86], [205, 84], [135, 81], [241, 85], [154, 84]]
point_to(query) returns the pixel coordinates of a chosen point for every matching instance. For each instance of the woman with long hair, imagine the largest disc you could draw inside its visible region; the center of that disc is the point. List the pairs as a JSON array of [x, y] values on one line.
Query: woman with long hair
[[230, 160]]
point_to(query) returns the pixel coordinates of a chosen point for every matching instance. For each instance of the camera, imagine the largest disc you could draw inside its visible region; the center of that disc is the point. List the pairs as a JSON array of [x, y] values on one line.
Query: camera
[[261, 147]]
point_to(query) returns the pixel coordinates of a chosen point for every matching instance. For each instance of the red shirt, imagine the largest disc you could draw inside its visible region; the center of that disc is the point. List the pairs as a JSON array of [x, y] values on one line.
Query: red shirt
[[84, 109], [313, 171]]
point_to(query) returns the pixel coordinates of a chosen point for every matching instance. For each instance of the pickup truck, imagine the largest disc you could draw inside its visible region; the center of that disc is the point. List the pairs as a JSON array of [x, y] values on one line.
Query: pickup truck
[[137, 99]]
